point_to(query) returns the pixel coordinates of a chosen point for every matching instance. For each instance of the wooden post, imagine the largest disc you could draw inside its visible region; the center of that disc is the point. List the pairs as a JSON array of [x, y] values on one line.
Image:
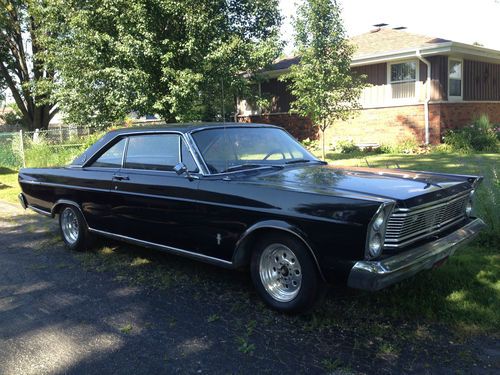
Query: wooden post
[[21, 147], [60, 134]]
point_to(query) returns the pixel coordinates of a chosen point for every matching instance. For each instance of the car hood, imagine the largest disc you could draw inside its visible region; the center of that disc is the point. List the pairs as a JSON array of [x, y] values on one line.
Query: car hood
[[409, 188]]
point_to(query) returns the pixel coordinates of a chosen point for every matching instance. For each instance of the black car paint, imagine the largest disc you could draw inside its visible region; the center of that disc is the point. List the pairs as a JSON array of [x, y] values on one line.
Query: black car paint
[[217, 215]]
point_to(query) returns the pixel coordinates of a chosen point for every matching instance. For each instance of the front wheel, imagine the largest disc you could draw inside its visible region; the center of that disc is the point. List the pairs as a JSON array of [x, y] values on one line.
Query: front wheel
[[73, 229], [285, 274]]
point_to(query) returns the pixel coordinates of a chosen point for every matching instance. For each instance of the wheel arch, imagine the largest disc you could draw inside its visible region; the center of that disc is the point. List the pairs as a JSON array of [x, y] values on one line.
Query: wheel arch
[[244, 246], [66, 202]]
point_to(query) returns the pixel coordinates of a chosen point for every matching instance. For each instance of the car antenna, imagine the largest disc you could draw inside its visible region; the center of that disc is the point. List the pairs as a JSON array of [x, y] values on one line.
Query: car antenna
[[222, 102]]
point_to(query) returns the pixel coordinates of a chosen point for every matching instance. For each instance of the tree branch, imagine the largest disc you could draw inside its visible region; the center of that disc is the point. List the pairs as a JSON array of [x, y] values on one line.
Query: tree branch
[[15, 92]]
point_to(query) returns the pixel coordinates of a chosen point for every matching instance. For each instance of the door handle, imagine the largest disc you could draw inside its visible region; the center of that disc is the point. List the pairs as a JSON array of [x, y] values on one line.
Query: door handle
[[120, 177]]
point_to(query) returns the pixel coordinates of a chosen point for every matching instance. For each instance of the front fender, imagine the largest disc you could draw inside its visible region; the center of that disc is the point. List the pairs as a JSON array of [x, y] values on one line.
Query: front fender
[[244, 249]]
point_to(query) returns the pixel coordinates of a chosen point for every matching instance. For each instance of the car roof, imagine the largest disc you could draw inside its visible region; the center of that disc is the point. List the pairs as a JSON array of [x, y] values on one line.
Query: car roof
[[180, 128], [185, 127]]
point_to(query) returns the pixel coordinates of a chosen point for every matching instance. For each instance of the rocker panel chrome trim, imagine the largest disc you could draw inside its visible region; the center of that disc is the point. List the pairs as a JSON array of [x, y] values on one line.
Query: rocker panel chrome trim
[[169, 249]]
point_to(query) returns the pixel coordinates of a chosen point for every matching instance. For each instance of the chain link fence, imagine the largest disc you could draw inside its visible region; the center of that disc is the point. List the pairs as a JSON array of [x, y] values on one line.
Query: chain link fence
[[55, 146], [43, 148]]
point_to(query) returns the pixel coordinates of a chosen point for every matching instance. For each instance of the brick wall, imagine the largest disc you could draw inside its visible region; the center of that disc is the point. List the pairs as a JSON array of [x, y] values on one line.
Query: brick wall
[[457, 115], [300, 127], [388, 124], [381, 125]]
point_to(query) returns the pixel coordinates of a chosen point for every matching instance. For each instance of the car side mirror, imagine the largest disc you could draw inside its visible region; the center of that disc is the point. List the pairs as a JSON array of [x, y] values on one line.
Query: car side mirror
[[180, 168]]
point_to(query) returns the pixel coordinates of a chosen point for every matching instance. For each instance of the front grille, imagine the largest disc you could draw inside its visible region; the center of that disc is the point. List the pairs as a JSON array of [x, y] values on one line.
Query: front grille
[[405, 227]]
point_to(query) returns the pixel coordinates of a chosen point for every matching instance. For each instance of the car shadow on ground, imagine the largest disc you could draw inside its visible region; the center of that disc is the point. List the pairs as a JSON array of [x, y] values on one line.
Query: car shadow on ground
[[125, 309]]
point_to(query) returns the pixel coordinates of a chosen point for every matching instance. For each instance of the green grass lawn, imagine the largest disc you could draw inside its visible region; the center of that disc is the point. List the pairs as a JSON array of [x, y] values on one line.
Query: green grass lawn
[[9, 187], [464, 294]]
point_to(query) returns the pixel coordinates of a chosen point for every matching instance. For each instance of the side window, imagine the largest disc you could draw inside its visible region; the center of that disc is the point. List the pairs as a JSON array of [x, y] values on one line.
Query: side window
[[112, 158], [159, 152], [187, 159]]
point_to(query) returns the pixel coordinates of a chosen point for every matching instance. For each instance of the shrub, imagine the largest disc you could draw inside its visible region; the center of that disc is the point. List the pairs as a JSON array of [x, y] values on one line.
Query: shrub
[[44, 154], [487, 203], [406, 146], [346, 146], [479, 136]]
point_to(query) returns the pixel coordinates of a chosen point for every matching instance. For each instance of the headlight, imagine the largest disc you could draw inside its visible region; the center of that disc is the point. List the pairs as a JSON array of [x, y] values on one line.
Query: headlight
[[376, 231], [379, 220], [375, 246]]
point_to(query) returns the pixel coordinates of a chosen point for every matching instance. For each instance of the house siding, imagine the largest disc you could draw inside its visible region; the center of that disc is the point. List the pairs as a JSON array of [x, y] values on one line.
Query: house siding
[[279, 95], [481, 81], [439, 77], [300, 127], [376, 74]]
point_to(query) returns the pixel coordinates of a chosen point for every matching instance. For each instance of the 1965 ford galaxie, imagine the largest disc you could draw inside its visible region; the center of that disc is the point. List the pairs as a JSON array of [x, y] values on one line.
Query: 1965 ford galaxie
[[251, 196]]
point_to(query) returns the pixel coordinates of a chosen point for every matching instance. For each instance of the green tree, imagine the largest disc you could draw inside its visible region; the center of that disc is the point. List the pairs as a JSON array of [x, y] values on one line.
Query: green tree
[[168, 57], [322, 82], [22, 69]]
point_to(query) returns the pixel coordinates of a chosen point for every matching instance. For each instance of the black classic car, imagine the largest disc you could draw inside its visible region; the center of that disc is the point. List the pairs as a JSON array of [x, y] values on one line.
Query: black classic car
[[251, 196]]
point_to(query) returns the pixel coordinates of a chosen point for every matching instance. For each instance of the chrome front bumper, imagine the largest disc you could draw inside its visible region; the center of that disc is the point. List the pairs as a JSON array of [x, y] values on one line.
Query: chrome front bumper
[[22, 200], [376, 275]]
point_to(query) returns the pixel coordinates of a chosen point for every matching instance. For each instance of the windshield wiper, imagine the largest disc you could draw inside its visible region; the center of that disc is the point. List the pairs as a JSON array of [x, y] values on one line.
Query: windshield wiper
[[243, 166], [298, 161]]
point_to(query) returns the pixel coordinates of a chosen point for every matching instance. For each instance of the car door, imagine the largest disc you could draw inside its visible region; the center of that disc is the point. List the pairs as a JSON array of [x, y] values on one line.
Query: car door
[[151, 202]]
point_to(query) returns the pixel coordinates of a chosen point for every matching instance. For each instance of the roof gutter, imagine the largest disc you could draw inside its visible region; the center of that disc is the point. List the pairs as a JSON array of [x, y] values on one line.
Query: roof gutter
[[427, 95]]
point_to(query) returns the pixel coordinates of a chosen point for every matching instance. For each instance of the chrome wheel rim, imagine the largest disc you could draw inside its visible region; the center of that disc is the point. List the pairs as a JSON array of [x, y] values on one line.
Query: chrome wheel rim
[[69, 225], [280, 272]]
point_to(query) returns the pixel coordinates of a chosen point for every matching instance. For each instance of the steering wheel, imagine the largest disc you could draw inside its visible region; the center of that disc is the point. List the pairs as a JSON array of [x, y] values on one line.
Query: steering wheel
[[272, 152]]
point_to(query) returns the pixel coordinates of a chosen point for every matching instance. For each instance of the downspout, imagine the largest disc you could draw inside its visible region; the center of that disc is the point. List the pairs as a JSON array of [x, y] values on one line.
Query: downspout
[[427, 96]]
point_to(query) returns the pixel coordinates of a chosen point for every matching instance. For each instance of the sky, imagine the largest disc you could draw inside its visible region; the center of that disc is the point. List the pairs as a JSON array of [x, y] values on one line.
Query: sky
[[465, 21]]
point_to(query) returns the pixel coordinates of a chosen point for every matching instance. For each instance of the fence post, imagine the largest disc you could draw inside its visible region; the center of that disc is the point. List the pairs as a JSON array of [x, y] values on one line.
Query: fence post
[[21, 147], [60, 133]]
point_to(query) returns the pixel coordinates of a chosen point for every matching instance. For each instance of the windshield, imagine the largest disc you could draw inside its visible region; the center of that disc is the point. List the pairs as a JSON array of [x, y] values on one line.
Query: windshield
[[230, 149]]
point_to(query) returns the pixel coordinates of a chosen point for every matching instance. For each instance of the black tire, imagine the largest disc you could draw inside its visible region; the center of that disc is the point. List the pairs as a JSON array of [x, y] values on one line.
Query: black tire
[[310, 287], [82, 240]]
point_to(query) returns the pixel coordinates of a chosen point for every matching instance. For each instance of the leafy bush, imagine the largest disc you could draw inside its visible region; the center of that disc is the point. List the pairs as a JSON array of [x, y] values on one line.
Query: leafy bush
[[487, 205], [12, 117], [346, 146], [479, 136], [406, 146], [311, 144], [43, 154]]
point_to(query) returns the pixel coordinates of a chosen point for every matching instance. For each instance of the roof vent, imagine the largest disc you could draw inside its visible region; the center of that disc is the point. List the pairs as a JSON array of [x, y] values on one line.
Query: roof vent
[[399, 28]]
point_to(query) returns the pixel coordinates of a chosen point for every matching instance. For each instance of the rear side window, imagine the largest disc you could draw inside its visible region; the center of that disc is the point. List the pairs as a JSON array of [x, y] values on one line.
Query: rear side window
[[160, 152], [112, 158]]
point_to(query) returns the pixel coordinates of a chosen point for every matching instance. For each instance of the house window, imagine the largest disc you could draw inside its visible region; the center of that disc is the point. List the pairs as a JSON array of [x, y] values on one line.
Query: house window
[[403, 79], [455, 78]]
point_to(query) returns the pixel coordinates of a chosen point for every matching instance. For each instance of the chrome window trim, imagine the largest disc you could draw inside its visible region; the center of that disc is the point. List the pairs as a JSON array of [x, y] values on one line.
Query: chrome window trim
[[128, 134], [125, 149], [196, 153], [170, 249]]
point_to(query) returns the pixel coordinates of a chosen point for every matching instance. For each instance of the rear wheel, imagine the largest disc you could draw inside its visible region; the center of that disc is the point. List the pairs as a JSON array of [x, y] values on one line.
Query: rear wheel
[[73, 229], [285, 274]]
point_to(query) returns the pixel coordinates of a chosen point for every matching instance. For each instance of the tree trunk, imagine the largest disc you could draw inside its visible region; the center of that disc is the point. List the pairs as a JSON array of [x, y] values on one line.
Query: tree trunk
[[323, 129], [323, 148]]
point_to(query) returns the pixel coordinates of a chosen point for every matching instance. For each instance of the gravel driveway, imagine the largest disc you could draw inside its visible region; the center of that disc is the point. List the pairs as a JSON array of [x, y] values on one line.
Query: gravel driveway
[[64, 312]]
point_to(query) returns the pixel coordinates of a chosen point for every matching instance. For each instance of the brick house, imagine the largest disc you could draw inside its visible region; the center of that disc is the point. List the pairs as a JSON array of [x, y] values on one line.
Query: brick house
[[419, 87]]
